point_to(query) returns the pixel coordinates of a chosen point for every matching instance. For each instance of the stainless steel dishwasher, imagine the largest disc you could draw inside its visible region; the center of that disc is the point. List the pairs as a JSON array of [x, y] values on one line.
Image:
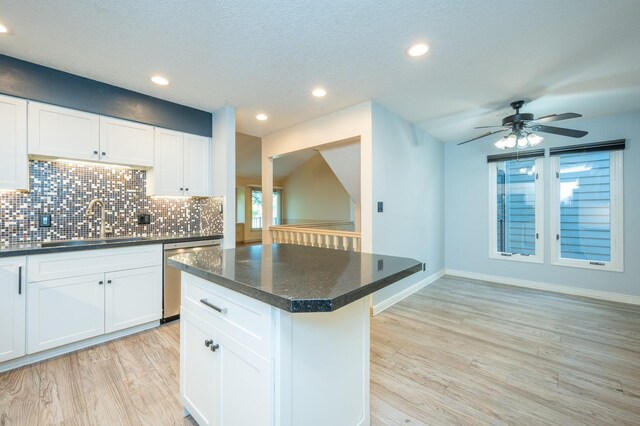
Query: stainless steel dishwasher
[[172, 282]]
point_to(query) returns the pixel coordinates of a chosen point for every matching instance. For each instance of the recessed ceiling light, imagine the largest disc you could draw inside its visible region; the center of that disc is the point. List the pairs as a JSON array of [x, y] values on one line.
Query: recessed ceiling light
[[3, 29], [319, 92], [261, 117], [159, 80], [418, 49]]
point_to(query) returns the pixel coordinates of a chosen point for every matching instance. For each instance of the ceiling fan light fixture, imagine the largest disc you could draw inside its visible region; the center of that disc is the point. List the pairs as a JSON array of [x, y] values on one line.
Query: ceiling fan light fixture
[[534, 139], [510, 141], [522, 141], [500, 144]]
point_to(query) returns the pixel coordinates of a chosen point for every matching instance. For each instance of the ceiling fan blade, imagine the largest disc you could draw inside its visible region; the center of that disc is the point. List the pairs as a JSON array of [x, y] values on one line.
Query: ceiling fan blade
[[557, 117], [481, 136], [561, 131], [486, 127]]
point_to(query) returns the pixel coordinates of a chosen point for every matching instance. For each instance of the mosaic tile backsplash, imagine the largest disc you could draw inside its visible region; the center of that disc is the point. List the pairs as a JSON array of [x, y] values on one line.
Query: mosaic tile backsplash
[[64, 190]]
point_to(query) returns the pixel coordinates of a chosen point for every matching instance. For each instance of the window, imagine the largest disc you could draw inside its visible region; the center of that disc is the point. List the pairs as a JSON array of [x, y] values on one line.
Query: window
[[515, 208], [586, 208], [256, 207]]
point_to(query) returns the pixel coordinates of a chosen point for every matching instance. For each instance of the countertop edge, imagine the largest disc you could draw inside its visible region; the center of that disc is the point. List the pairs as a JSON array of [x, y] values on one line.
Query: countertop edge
[[28, 251], [298, 305]]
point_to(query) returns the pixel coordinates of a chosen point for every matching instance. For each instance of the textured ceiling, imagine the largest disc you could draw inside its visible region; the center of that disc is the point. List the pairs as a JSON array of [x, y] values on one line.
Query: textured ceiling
[[266, 56]]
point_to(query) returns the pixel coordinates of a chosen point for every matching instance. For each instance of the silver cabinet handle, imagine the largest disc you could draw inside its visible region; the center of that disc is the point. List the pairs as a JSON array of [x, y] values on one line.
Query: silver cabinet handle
[[19, 279], [214, 307]]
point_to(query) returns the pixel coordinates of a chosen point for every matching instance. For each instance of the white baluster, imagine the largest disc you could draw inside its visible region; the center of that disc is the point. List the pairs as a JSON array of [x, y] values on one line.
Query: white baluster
[[345, 243]]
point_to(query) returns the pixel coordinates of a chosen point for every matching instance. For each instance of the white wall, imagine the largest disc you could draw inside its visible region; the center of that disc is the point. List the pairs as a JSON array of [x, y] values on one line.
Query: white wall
[[224, 169], [466, 210], [314, 193], [408, 179]]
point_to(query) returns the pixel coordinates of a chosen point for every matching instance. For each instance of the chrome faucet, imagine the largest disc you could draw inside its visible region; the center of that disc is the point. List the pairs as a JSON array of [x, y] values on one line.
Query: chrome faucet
[[102, 214]]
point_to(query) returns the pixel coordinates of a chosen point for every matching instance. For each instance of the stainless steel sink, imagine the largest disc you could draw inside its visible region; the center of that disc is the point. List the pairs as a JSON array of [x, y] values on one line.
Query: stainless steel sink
[[90, 242]]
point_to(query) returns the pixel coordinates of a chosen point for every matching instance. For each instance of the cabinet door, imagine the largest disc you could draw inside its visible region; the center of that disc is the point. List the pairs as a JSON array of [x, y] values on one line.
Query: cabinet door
[[244, 376], [12, 308], [197, 166], [132, 297], [64, 133], [168, 167], [13, 139], [199, 369], [64, 311], [126, 142]]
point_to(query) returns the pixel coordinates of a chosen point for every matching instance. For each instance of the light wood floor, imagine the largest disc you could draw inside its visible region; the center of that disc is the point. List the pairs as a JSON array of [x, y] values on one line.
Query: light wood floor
[[457, 352]]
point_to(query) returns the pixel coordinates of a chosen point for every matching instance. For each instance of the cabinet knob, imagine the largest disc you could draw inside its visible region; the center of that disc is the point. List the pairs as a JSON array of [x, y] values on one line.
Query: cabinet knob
[[186, 189], [214, 347], [181, 189], [95, 152], [104, 153], [100, 282], [208, 342], [108, 281]]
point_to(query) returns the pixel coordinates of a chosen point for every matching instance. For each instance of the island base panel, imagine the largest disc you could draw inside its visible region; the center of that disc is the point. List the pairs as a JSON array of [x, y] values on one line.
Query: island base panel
[[322, 362]]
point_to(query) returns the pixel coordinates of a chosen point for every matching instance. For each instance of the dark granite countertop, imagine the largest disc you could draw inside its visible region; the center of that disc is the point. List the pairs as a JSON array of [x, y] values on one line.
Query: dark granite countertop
[[96, 244], [297, 278]]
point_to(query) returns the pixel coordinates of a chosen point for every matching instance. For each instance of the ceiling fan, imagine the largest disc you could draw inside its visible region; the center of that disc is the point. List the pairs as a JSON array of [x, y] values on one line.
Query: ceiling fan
[[521, 128]]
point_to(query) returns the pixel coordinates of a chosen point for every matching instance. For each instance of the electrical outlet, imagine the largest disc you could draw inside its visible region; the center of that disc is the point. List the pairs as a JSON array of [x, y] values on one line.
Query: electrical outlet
[[144, 219], [44, 220], [380, 264], [380, 207]]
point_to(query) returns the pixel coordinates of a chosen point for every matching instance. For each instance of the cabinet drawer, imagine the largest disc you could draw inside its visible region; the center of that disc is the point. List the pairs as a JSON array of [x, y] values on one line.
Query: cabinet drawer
[[247, 320], [53, 266]]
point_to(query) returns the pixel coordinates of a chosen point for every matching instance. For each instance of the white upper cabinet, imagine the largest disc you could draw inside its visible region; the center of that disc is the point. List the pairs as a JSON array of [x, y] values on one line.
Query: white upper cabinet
[[13, 144], [63, 133], [167, 175], [12, 308], [126, 142], [197, 165], [182, 165]]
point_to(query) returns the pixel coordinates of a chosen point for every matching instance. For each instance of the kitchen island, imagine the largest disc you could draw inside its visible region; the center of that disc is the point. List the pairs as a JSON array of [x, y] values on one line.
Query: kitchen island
[[279, 334]]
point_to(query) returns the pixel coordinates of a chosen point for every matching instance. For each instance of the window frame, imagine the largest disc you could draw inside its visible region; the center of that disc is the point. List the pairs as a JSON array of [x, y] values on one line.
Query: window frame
[[616, 264], [539, 213], [276, 189]]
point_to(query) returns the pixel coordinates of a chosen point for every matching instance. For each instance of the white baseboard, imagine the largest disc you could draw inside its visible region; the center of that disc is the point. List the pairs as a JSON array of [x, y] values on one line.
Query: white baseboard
[[71, 347], [376, 309], [555, 288]]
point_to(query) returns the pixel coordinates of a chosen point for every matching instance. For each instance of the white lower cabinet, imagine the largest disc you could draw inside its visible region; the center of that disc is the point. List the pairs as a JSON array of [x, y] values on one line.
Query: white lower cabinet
[[64, 311], [244, 376], [217, 385], [199, 369], [12, 308], [132, 297], [78, 295]]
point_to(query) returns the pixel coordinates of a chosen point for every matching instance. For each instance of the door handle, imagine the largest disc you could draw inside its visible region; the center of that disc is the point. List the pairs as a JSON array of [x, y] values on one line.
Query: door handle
[[212, 306], [19, 279]]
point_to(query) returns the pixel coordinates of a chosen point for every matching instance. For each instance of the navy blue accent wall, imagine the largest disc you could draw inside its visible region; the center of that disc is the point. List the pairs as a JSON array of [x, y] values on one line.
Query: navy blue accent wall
[[36, 82]]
